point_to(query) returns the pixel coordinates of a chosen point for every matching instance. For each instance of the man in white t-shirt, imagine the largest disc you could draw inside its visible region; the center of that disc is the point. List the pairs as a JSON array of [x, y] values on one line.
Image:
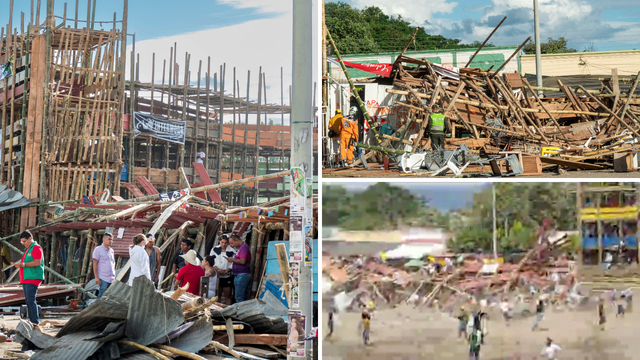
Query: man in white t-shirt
[[200, 156], [550, 350], [224, 267]]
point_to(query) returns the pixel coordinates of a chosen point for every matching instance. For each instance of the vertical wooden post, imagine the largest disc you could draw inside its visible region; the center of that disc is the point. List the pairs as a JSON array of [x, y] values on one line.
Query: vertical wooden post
[[233, 140], [53, 259], [221, 122], [206, 136], [257, 151], [243, 201], [70, 250], [87, 252], [282, 167]]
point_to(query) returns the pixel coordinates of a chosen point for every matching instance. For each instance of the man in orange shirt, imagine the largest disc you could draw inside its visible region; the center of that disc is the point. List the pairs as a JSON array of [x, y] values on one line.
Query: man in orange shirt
[[349, 136]]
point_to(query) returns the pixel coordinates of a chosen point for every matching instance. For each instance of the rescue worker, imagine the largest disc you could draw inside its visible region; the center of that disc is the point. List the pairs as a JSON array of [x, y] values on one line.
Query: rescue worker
[[437, 127], [335, 127], [349, 136]]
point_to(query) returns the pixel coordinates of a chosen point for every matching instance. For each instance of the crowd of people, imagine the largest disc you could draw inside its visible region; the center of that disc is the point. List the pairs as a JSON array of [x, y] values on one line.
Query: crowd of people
[[226, 266]]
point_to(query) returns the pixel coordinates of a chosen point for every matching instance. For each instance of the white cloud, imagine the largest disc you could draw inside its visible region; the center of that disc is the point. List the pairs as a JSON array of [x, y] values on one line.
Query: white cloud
[[414, 11], [246, 46]]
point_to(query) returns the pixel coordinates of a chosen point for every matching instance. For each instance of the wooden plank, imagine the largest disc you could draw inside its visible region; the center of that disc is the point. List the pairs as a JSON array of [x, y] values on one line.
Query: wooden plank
[[202, 173], [615, 84], [30, 135], [258, 339], [146, 185], [37, 140], [134, 189], [571, 164]]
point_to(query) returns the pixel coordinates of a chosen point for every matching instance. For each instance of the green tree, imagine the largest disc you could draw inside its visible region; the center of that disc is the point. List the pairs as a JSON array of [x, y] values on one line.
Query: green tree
[[371, 30], [552, 46]]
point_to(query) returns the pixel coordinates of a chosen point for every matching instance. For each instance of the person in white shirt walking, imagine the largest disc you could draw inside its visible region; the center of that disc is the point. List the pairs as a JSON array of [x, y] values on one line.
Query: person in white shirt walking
[[550, 350], [139, 259]]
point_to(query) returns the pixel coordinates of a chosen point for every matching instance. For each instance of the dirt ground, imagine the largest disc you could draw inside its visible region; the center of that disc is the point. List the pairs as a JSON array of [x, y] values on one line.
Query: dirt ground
[[405, 333]]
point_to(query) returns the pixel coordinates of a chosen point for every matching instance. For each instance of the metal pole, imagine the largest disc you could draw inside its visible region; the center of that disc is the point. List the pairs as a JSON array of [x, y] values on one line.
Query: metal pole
[[495, 241], [536, 30], [302, 144]]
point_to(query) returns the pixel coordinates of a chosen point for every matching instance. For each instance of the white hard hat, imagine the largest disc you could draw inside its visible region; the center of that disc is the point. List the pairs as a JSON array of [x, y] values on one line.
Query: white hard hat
[[353, 110]]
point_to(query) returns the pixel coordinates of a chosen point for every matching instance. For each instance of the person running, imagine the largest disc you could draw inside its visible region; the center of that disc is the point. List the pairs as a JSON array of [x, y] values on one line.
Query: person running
[[331, 321], [602, 318], [463, 320], [550, 350], [504, 307], [365, 325], [621, 306], [539, 314], [475, 343]]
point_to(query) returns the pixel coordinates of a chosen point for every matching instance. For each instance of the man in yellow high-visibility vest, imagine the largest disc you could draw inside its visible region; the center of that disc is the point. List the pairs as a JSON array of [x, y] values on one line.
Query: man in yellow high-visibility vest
[[437, 127]]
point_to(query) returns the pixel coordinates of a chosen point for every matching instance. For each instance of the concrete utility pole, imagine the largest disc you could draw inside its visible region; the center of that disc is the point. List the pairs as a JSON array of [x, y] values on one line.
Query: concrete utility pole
[[302, 153], [495, 240], [536, 30]]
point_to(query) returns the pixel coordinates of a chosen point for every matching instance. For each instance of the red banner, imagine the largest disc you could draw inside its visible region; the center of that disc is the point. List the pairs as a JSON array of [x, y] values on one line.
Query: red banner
[[378, 69]]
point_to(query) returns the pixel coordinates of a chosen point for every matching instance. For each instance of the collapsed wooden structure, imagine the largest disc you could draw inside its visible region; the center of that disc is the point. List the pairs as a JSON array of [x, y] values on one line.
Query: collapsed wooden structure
[[496, 114], [67, 121]]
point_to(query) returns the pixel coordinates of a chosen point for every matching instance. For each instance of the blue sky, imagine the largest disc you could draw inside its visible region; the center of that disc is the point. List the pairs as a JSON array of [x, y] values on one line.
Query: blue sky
[[245, 34], [445, 196], [609, 25]]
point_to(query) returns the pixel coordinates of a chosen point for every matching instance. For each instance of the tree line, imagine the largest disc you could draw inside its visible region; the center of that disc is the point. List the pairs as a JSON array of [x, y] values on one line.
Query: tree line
[[520, 209]]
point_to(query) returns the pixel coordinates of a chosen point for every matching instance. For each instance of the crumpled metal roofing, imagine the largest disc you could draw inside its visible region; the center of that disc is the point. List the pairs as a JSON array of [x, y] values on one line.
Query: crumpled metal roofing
[[112, 307], [253, 313], [11, 199], [70, 346], [196, 337], [113, 331], [151, 315], [38, 338]]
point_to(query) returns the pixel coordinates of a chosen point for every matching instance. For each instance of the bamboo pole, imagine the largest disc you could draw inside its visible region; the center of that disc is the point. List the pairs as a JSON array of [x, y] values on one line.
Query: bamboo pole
[[284, 269], [353, 88], [144, 348], [380, 148], [503, 107], [179, 352], [70, 250], [485, 41], [193, 312], [217, 345]]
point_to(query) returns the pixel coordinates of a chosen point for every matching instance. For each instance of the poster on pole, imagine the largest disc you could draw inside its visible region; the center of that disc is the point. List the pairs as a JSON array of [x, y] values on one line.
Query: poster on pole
[[308, 245], [295, 340], [294, 283], [309, 203], [163, 129], [296, 238], [297, 189]]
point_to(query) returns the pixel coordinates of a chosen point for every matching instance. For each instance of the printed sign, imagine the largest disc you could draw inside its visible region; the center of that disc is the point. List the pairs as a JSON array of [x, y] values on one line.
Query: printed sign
[[294, 276], [295, 340], [120, 233], [173, 195], [297, 190], [163, 129], [308, 245], [6, 69]]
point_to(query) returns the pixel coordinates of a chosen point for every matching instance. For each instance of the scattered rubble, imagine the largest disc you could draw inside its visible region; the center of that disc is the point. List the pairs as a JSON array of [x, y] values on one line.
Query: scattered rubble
[[500, 126]]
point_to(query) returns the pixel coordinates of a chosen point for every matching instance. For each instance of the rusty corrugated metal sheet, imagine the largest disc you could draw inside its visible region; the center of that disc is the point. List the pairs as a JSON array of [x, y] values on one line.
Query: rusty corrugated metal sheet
[[70, 346], [112, 307], [252, 312], [151, 315], [121, 245]]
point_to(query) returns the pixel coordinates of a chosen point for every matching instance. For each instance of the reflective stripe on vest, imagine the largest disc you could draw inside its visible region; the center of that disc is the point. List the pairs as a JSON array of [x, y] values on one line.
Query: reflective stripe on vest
[[437, 123]]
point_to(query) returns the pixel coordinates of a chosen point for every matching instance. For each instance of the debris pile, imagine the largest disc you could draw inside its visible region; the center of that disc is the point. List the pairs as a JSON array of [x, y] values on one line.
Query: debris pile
[[143, 322], [499, 124], [356, 281]]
